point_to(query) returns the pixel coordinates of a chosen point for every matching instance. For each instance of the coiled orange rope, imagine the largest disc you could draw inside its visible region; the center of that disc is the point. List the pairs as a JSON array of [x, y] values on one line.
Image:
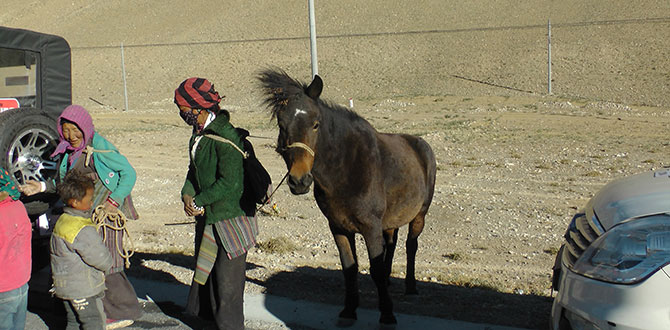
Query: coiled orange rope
[[117, 222]]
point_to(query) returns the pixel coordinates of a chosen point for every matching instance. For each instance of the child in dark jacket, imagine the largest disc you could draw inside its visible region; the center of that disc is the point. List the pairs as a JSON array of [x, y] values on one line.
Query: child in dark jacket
[[79, 258]]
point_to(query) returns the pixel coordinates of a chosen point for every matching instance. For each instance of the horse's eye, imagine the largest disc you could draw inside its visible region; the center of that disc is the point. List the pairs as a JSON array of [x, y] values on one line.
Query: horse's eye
[[316, 125]]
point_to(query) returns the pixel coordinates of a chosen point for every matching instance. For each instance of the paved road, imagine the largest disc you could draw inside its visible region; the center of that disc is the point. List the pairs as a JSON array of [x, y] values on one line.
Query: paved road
[[162, 310]]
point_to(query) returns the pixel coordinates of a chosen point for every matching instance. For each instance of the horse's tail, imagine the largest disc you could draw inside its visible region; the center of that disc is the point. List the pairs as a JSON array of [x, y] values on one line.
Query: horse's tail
[[427, 158], [430, 164]]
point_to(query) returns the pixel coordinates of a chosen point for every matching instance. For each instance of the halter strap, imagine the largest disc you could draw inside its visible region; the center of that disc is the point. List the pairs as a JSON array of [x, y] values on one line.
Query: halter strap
[[302, 146]]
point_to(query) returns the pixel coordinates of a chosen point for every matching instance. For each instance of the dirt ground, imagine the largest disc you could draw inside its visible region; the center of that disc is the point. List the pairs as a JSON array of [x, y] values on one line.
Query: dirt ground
[[510, 175], [514, 163]]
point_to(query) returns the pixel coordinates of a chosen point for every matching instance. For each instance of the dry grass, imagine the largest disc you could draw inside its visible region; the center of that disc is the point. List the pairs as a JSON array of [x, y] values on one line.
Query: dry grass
[[280, 245]]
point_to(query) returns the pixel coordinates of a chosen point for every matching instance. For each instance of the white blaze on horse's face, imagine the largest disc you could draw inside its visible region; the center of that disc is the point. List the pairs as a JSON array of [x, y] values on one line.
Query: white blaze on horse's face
[[299, 112]]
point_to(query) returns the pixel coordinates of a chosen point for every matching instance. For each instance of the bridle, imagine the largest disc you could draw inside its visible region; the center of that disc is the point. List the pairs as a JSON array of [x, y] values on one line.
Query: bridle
[[292, 145], [301, 146]]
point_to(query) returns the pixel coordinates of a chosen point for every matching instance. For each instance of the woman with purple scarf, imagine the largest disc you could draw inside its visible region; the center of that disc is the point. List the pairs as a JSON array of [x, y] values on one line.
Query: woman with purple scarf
[[85, 150]]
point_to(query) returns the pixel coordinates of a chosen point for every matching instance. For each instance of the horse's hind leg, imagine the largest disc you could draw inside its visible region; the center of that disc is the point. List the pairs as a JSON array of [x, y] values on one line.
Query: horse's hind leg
[[412, 244], [347, 247], [390, 240]]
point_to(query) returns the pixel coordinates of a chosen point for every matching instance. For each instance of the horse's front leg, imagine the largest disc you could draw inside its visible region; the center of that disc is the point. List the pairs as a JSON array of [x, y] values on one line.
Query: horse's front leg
[[347, 247], [378, 271]]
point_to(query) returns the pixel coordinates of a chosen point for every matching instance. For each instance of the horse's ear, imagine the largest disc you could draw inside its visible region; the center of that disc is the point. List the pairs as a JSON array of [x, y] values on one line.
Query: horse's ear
[[315, 88]]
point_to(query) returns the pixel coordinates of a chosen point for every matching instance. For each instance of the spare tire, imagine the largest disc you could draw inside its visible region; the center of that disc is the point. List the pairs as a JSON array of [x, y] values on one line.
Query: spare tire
[[27, 140]]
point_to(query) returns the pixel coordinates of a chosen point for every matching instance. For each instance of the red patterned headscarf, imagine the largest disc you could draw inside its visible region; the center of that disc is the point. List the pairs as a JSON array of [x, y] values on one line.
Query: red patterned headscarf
[[7, 184], [196, 93]]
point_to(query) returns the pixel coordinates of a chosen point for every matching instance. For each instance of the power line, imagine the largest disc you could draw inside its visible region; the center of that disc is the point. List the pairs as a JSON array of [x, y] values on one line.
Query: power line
[[654, 20]]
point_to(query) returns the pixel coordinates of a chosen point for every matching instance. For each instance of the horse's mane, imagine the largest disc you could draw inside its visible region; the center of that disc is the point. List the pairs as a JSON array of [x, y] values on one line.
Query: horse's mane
[[280, 87]]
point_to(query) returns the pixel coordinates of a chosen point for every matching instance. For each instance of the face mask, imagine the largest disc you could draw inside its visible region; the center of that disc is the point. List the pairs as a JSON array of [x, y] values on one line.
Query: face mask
[[189, 117]]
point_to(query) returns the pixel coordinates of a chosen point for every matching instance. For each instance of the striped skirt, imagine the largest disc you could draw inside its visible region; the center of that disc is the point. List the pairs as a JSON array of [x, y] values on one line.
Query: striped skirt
[[236, 236]]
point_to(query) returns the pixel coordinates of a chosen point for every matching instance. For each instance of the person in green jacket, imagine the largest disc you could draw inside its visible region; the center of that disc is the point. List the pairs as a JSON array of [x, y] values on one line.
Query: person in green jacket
[[83, 149], [212, 192]]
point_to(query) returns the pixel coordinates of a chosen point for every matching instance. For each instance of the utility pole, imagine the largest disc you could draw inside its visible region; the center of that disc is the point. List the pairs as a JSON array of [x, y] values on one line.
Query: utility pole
[[312, 38]]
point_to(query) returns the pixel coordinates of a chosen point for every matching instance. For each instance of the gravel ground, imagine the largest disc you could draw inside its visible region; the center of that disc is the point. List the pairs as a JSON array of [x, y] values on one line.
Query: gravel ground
[[510, 175]]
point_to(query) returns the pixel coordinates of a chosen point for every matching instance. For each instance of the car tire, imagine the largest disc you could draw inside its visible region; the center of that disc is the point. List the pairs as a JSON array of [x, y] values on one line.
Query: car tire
[[27, 140]]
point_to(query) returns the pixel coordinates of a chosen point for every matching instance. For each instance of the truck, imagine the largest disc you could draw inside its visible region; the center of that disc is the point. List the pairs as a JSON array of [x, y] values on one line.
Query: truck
[[35, 87]]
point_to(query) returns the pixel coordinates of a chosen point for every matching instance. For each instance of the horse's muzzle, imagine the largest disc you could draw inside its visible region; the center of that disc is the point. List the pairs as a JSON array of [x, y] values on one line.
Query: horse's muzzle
[[300, 185]]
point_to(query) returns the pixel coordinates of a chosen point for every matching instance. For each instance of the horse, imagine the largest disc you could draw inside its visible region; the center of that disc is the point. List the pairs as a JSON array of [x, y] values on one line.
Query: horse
[[365, 182]]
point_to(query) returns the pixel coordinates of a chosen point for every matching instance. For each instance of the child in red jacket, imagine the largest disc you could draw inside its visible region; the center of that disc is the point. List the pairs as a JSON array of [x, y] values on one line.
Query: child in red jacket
[[15, 255]]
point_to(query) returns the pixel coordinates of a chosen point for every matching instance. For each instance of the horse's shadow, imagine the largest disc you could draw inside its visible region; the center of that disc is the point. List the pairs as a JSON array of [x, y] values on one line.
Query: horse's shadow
[[324, 287], [468, 304]]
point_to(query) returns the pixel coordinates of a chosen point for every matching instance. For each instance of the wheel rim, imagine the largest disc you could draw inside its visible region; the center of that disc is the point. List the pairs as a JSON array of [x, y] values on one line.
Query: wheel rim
[[29, 153]]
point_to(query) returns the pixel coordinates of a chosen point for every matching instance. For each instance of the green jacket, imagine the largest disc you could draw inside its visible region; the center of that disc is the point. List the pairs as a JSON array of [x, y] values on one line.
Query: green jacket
[[112, 167], [215, 175]]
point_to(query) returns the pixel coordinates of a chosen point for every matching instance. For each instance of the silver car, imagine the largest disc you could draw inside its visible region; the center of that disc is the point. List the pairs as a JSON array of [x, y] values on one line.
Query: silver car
[[613, 270]]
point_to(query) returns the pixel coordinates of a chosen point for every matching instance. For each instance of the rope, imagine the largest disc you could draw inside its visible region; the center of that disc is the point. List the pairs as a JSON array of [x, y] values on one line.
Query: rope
[[116, 222], [274, 205], [280, 182], [245, 155], [89, 153], [261, 137], [222, 139], [302, 146]]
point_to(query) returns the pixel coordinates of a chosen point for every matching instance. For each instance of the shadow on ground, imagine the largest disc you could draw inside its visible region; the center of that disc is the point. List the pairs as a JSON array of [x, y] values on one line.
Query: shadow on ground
[[470, 304], [477, 305]]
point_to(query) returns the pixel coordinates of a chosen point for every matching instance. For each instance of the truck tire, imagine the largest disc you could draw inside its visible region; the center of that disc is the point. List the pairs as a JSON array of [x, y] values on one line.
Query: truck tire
[[27, 140]]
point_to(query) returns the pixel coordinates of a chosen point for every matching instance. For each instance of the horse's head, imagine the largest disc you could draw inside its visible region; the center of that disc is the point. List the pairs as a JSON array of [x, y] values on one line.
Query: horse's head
[[296, 107]]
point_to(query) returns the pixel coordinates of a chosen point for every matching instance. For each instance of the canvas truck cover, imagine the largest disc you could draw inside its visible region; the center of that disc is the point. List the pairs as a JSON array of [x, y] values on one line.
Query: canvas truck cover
[[51, 56]]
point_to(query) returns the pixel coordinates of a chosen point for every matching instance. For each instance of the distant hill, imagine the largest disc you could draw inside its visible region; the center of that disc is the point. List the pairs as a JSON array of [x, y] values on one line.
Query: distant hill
[[612, 51]]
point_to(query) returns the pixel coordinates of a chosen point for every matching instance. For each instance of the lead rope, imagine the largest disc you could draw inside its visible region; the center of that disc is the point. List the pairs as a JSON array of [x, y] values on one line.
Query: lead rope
[[274, 205], [245, 155], [292, 145], [116, 222]]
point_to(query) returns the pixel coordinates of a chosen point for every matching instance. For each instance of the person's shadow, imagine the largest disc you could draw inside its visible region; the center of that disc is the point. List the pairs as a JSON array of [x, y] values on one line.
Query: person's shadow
[[158, 286], [324, 286], [40, 301], [163, 288], [317, 286]]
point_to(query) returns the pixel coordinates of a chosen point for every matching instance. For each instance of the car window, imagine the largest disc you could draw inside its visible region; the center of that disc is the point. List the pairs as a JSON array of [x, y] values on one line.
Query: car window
[[18, 78]]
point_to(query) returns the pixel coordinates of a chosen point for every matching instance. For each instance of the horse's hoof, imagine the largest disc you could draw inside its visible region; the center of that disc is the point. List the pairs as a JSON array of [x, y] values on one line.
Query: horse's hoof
[[344, 322], [383, 326], [388, 320], [348, 314], [346, 318]]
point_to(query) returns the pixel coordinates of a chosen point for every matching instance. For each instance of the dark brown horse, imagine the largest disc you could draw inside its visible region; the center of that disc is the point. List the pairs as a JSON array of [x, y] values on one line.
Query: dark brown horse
[[365, 182]]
